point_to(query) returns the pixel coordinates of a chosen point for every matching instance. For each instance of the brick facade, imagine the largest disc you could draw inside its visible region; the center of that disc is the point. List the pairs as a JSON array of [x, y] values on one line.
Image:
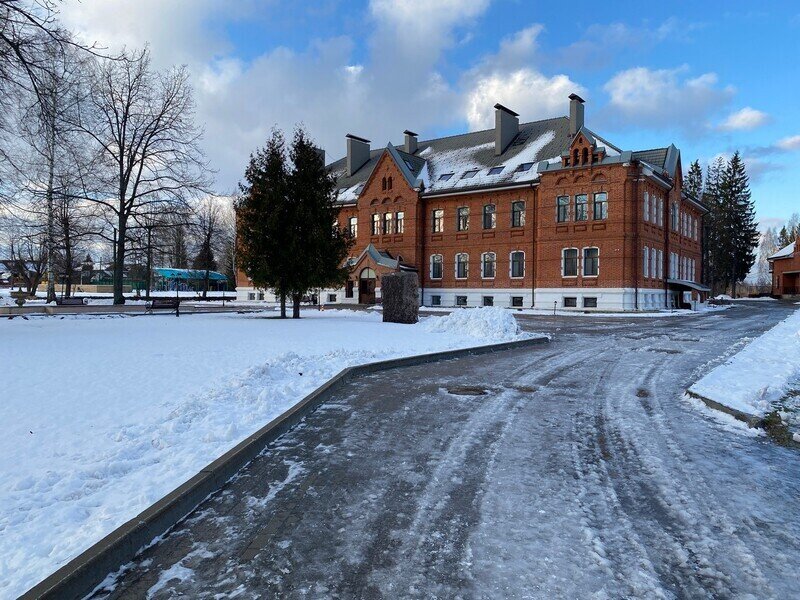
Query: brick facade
[[786, 271]]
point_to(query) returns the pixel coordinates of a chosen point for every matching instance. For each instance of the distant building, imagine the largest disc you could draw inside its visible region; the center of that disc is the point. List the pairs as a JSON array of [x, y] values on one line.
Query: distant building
[[544, 214], [785, 267]]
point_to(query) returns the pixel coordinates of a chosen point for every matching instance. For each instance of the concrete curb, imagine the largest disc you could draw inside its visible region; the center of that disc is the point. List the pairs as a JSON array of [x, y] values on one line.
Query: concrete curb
[[84, 573], [752, 421]]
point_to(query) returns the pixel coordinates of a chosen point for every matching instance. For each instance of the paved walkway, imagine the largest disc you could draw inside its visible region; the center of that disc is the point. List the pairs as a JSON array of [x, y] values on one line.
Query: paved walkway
[[580, 472]]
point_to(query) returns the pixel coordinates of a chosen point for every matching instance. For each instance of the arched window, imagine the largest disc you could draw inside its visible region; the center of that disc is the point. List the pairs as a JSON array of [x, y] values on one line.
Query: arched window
[[383, 184], [462, 266], [488, 263], [489, 216], [585, 156], [390, 182], [517, 260], [436, 266], [575, 157], [367, 273]]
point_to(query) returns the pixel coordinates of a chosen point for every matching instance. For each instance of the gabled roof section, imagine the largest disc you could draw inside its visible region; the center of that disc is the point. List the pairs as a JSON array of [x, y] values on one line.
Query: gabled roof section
[[406, 166], [785, 252], [585, 133], [661, 159]]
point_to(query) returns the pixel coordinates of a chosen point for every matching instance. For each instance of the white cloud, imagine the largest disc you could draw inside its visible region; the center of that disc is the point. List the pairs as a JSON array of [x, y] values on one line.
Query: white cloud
[[509, 77], [642, 97], [525, 91], [789, 143], [744, 119]]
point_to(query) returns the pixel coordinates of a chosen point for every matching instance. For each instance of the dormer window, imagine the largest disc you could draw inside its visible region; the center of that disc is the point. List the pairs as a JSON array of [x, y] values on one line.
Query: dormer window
[[469, 174], [496, 170], [524, 167], [445, 176]]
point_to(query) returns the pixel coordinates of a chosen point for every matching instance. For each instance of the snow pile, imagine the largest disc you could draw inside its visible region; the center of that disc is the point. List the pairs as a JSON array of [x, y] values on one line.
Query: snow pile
[[759, 375], [104, 416], [489, 323]]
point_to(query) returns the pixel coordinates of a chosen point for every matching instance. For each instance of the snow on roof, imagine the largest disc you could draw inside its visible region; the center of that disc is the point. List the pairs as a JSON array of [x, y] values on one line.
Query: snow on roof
[[784, 252]]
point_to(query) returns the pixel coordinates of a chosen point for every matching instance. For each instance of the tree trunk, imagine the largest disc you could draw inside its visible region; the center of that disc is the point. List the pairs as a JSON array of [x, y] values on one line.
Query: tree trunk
[[283, 306], [296, 306], [206, 280], [119, 262], [149, 264], [68, 272]]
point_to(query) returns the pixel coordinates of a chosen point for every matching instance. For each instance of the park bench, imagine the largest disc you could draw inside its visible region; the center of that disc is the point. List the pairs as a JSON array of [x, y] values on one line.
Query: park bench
[[70, 302], [164, 304]]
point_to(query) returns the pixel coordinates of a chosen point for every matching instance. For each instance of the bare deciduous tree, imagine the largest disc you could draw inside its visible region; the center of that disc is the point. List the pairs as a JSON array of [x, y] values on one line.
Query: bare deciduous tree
[[142, 123]]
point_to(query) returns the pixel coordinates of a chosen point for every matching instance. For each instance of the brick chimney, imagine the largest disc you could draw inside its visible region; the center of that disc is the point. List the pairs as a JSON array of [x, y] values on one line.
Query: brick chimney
[[506, 128], [411, 141], [575, 114], [357, 153]]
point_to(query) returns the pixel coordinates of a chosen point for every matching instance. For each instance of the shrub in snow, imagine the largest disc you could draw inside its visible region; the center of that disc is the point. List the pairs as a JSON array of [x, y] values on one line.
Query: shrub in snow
[[486, 323]]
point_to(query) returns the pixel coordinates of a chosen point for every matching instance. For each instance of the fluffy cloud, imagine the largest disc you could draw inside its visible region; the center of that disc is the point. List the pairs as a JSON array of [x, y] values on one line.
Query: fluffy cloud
[[789, 143], [508, 77], [642, 97], [744, 119]]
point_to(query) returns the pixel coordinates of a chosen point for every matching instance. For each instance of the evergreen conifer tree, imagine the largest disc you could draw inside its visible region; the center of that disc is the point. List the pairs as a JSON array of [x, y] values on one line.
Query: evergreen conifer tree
[[694, 180], [739, 230]]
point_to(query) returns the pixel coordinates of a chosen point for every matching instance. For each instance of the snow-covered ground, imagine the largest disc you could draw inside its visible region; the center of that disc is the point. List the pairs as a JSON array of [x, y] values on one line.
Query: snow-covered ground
[[758, 377], [104, 416], [655, 314]]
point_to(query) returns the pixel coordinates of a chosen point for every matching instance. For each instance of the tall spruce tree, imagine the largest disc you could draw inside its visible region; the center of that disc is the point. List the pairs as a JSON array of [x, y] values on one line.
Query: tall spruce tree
[[693, 182], [739, 230], [266, 249], [321, 243], [714, 255]]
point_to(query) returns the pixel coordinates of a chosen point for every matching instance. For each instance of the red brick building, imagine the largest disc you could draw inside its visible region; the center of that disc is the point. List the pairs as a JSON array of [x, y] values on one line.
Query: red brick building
[[543, 214], [785, 267]]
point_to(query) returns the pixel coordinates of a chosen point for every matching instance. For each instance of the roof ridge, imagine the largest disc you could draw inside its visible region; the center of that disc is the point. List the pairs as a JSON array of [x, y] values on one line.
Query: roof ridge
[[455, 135], [653, 149]]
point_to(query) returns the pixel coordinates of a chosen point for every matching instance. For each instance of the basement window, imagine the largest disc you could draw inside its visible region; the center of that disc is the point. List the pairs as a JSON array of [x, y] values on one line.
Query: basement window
[[570, 302], [445, 176], [524, 167], [496, 170], [436, 300], [590, 302], [516, 301], [461, 300], [469, 174]]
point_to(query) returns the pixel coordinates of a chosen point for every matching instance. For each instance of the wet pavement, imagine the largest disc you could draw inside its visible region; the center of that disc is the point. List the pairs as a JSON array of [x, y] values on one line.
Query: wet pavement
[[574, 469]]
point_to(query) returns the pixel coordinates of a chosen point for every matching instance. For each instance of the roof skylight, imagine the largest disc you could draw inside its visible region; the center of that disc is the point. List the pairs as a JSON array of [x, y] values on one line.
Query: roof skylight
[[445, 176], [469, 174], [495, 170], [409, 165], [524, 167]]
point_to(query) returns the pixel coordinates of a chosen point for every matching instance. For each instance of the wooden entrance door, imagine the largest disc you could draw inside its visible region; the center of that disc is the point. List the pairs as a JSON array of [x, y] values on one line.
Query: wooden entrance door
[[366, 286]]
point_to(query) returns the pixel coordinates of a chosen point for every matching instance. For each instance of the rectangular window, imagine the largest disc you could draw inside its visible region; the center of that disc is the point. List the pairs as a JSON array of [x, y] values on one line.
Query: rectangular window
[[445, 176], [462, 218], [488, 263], [462, 266], [496, 170], [591, 262], [260, 295], [436, 300], [562, 209], [590, 302], [518, 214], [469, 174], [489, 216], [673, 216], [569, 262], [438, 220], [436, 266], [660, 212], [600, 206], [331, 297], [655, 218], [653, 264], [376, 224], [251, 296], [646, 207], [524, 167], [518, 264], [581, 207], [661, 264], [695, 230], [353, 227], [488, 300], [348, 290], [516, 301], [461, 300], [399, 222], [646, 262], [570, 302], [387, 223]]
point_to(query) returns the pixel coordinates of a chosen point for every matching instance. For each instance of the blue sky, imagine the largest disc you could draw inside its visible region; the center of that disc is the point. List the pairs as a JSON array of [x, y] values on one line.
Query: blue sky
[[711, 77]]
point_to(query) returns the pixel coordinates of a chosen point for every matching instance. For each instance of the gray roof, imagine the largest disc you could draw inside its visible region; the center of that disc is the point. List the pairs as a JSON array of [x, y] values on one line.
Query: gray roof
[[656, 157], [458, 154]]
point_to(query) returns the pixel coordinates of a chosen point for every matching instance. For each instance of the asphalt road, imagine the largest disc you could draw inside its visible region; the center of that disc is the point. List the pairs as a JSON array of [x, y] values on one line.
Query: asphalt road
[[580, 472]]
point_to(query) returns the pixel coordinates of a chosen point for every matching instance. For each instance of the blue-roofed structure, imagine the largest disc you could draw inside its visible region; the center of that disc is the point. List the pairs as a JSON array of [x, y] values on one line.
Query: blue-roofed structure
[[188, 279]]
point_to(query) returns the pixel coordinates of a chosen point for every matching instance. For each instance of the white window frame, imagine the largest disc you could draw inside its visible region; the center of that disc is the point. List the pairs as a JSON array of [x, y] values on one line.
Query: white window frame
[[654, 210], [483, 264], [430, 266], [466, 266], [603, 217], [646, 263], [647, 207], [558, 208], [583, 261], [654, 263], [352, 224], [585, 206], [661, 264], [564, 262], [511, 264]]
